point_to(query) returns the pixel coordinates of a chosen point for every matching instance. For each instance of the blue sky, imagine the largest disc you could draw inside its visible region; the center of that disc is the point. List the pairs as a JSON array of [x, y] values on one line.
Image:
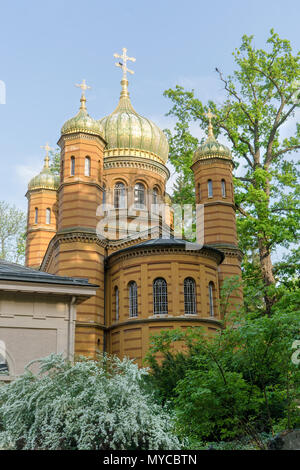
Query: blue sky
[[46, 47]]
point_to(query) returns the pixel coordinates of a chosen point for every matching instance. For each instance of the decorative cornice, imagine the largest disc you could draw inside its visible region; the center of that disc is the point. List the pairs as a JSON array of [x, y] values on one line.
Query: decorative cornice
[[135, 161], [169, 318], [142, 251], [228, 250], [219, 203], [211, 159], [81, 135], [74, 234], [157, 319], [76, 180], [40, 188]]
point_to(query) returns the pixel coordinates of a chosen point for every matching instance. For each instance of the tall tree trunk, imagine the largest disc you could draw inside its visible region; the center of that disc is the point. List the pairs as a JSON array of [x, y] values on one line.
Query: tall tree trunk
[[267, 273]]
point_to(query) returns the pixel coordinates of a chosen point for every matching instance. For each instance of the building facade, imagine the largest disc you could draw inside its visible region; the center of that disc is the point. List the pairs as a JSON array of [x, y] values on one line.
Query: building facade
[[37, 316], [107, 218]]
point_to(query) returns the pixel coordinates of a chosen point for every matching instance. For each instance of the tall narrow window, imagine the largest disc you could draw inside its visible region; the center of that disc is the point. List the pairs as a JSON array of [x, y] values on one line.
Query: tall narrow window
[[189, 296], [155, 196], [48, 216], [120, 196], [199, 192], [36, 215], [139, 196], [223, 183], [117, 302], [160, 296], [211, 288], [133, 301], [87, 166], [72, 166], [210, 188]]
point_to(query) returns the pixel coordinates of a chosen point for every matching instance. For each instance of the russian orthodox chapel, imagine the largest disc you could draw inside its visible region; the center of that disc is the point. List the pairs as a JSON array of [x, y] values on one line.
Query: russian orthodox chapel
[[94, 221]]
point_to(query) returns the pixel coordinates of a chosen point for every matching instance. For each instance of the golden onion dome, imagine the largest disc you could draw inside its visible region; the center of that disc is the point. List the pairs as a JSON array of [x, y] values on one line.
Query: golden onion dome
[[211, 147], [125, 129], [82, 122], [45, 179]]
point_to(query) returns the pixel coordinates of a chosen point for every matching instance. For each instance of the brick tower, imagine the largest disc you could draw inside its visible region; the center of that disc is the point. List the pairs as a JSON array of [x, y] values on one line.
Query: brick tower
[[42, 213], [212, 167], [76, 251]]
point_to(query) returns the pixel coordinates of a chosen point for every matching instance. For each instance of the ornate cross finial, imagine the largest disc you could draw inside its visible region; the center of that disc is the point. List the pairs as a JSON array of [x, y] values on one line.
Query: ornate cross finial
[[47, 148], [210, 116], [83, 87], [123, 65]]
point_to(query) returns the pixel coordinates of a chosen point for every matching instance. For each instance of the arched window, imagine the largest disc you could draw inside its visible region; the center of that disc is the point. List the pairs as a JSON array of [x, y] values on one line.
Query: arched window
[[117, 302], [210, 188], [3, 366], [72, 170], [120, 196], [211, 289], [139, 196], [223, 184], [87, 166], [155, 196], [48, 216], [160, 296], [133, 301], [36, 215], [199, 192], [189, 296]]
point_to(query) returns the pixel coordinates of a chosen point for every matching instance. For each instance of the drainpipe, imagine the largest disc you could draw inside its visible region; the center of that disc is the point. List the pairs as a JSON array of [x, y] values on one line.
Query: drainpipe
[[71, 329]]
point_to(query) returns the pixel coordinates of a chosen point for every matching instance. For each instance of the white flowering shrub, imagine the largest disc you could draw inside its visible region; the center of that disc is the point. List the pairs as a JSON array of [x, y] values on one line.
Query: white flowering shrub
[[98, 405]]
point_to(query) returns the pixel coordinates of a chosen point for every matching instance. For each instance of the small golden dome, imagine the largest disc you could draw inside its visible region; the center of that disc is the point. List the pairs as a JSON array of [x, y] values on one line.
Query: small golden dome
[[82, 122], [211, 147], [45, 179], [125, 129]]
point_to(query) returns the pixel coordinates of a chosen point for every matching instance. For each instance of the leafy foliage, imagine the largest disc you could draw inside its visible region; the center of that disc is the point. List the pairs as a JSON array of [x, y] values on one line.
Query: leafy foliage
[[260, 100], [240, 382], [55, 161], [12, 233], [87, 405]]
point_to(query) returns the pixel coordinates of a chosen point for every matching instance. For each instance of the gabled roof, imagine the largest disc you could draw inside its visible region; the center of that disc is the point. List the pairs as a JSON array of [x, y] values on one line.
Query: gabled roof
[[16, 272]]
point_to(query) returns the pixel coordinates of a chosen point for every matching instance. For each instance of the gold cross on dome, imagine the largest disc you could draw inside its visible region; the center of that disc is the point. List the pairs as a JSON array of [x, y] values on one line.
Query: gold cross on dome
[[47, 148], [123, 65], [210, 116], [83, 86]]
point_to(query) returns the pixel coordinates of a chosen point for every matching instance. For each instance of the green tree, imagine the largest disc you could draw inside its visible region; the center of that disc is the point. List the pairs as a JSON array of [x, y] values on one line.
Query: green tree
[[55, 161], [239, 382], [261, 98], [12, 233]]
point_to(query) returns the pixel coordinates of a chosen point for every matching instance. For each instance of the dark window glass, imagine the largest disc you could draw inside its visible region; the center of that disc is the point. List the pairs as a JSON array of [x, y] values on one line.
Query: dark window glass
[[210, 188], [133, 300], [211, 288], [160, 296], [189, 296], [120, 196], [139, 196]]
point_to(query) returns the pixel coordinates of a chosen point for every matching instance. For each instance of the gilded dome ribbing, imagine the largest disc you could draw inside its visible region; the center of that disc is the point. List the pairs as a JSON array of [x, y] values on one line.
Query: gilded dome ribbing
[[211, 147], [125, 129], [82, 122], [45, 179]]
